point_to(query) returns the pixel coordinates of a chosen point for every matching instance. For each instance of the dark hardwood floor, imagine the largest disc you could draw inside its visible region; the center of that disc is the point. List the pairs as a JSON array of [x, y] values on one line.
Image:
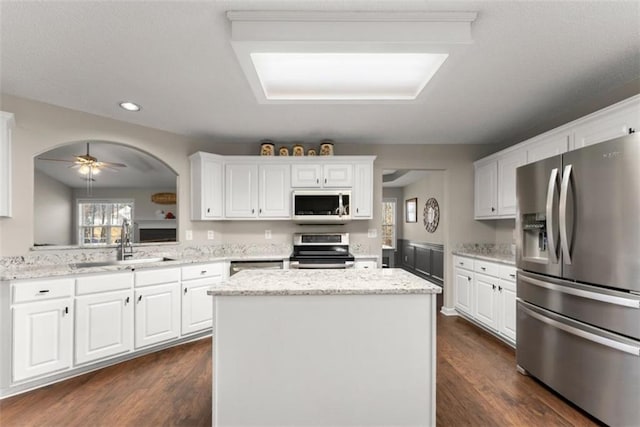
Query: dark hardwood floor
[[477, 385]]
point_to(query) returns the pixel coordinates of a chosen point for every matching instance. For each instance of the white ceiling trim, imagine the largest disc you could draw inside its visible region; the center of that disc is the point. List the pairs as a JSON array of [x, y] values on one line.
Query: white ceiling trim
[[347, 32]]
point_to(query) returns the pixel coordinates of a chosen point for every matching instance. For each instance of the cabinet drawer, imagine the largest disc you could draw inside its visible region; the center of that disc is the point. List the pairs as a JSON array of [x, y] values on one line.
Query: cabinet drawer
[[38, 290], [463, 262], [508, 272], [104, 283], [485, 267], [199, 271], [155, 277]]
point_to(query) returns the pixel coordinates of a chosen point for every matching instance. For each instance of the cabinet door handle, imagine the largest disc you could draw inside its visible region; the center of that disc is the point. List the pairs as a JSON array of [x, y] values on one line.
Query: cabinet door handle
[[512, 275], [500, 288], [357, 210], [65, 311], [253, 211], [483, 268], [493, 209], [185, 291], [208, 210], [203, 272], [325, 180], [493, 286], [468, 278], [43, 291], [317, 180], [260, 210], [126, 301], [139, 298]]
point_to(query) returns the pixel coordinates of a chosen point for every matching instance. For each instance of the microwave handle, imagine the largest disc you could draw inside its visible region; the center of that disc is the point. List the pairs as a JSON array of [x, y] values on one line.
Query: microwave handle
[[340, 205]]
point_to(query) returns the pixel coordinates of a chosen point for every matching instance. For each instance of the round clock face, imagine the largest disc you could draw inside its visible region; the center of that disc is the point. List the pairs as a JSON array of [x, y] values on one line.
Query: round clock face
[[431, 215]]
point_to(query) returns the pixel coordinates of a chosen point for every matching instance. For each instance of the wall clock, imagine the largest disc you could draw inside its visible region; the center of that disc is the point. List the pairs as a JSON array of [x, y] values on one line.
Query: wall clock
[[431, 215]]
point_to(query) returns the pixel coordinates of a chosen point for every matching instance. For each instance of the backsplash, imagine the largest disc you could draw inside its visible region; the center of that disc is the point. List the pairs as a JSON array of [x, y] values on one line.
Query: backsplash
[[74, 255]]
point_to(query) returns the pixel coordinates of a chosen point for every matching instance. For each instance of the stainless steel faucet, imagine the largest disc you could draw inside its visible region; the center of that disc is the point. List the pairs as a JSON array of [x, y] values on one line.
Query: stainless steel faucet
[[126, 248]]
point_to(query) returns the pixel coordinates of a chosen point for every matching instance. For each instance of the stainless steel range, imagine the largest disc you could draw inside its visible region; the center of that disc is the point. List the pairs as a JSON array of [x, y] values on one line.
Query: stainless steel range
[[321, 250]]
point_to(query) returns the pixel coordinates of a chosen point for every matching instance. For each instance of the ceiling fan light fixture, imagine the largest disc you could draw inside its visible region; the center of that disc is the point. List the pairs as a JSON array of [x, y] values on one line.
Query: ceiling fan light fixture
[[95, 170], [130, 106], [84, 169]]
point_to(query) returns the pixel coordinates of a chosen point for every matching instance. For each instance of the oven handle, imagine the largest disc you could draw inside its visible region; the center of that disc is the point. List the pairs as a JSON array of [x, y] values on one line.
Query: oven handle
[[611, 299], [298, 265], [583, 334]]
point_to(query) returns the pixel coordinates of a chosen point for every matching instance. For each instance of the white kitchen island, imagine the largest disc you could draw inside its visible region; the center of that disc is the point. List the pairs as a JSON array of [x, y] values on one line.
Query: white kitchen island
[[324, 348]]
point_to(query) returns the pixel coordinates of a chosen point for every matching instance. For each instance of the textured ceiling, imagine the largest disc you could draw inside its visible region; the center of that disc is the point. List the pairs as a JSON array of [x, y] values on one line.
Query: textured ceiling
[[531, 61]]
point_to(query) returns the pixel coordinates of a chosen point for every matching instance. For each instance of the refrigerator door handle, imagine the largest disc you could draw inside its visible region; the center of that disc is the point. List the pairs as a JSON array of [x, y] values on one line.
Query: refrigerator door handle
[[611, 299], [631, 349], [551, 233], [564, 190]]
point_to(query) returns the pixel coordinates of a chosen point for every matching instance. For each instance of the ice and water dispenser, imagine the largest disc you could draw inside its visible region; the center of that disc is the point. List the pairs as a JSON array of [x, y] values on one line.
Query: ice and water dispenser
[[534, 237]]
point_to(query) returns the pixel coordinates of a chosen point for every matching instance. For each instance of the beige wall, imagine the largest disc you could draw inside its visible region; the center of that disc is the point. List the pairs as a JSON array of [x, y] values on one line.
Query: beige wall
[[432, 185], [505, 231], [53, 211], [41, 127]]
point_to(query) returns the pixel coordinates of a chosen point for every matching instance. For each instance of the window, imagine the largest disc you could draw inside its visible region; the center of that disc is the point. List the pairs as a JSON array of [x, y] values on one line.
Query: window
[[389, 223], [100, 221]]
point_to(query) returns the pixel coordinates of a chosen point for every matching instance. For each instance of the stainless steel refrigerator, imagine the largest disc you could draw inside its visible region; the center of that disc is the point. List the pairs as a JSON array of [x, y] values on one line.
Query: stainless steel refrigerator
[[578, 285]]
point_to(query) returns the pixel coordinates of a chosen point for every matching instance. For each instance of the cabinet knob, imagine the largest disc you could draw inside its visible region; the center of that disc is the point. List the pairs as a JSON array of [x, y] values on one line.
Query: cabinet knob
[[483, 268], [468, 278], [632, 130], [493, 286], [208, 210], [253, 211], [317, 180], [512, 275], [325, 180], [500, 288], [493, 209], [203, 272], [65, 311], [126, 301], [139, 298], [357, 210], [260, 210], [185, 291]]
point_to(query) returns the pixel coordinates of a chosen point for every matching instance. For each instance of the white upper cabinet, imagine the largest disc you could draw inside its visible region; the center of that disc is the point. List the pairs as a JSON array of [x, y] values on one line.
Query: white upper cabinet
[[206, 186], [548, 146], [495, 175], [259, 188], [306, 175], [331, 175], [6, 127], [241, 190], [274, 195], [618, 122], [507, 166], [257, 191], [486, 189], [362, 195]]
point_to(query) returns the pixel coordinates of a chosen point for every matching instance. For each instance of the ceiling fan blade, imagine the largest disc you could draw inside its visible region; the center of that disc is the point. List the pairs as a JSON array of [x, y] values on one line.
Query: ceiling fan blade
[[55, 160], [112, 164]]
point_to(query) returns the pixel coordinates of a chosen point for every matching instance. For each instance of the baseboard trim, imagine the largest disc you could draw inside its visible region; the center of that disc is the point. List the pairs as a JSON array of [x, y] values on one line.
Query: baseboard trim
[[448, 311]]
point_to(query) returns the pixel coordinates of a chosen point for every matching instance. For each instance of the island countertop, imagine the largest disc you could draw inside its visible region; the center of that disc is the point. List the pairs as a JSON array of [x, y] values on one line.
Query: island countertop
[[324, 282]]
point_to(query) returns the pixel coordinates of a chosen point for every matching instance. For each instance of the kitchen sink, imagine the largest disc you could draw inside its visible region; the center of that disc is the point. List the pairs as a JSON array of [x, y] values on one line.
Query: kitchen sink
[[134, 261]]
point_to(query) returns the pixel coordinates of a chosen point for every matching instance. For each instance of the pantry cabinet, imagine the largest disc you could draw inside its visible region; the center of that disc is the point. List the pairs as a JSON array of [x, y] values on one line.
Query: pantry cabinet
[[7, 122]]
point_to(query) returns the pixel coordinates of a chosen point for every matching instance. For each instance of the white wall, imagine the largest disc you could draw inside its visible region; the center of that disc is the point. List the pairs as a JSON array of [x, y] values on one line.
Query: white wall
[[505, 231], [432, 185], [53, 211]]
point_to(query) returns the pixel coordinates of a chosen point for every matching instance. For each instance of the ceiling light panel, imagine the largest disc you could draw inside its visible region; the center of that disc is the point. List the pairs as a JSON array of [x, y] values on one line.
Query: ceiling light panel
[[345, 76]]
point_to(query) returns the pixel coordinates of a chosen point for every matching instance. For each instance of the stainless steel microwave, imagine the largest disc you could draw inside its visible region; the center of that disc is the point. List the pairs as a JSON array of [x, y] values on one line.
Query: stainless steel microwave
[[321, 206]]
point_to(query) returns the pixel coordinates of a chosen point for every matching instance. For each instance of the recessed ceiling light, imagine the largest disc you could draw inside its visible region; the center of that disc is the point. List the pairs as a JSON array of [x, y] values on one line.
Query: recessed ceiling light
[[130, 106], [345, 76]]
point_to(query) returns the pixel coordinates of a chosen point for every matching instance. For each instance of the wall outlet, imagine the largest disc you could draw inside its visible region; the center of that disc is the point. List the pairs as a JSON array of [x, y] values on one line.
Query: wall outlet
[[373, 233], [210, 234], [188, 235], [267, 234]]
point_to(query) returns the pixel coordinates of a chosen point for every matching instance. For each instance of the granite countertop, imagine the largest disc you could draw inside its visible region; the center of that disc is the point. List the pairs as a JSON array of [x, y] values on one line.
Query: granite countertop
[[324, 282], [487, 255], [62, 269]]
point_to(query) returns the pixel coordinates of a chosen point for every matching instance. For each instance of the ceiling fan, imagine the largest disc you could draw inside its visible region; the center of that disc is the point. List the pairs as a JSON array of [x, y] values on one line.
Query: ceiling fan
[[89, 165]]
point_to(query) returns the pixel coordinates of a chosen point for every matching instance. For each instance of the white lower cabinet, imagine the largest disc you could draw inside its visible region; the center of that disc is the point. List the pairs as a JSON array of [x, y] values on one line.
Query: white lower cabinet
[[197, 308], [104, 325], [157, 314], [487, 294], [42, 338], [464, 289]]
